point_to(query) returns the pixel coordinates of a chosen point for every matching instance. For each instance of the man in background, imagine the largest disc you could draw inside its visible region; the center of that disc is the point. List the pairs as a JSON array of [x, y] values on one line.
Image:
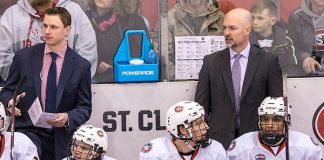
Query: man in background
[[233, 82], [306, 28], [58, 82], [4, 4], [192, 18], [21, 27]]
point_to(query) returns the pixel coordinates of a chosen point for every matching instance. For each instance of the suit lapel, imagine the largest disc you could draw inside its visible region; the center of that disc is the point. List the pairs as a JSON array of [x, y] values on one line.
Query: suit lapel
[[225, 66], [37, 57], [254, 58], [67, 68]]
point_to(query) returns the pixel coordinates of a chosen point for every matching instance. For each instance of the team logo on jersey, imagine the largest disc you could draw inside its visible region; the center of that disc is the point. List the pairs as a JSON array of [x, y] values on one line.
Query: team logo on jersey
[[232, 146], [319, 40], [147, 147], [100, 133], [37, 35], [318, 123], [178, 109], [260, 157]]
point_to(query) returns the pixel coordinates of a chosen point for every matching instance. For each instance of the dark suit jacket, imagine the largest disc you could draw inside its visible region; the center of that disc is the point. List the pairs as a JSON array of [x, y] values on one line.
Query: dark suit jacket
[[73, 92], [215, 91]]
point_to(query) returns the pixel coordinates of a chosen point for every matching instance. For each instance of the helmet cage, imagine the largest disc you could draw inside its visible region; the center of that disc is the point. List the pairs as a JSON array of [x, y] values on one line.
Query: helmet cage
[[196, 134], [274, 136], [182, 114], [273, 110], [90, 142], [186, 114], [85, 151]]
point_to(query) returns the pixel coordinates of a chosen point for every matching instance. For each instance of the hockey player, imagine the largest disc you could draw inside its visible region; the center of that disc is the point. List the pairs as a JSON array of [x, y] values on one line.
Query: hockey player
[[89, 143], [24, 149], [188, 140], [270, 141]]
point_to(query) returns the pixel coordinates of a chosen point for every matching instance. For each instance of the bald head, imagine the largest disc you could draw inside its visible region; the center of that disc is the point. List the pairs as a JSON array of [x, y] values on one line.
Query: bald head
[[240, 14]]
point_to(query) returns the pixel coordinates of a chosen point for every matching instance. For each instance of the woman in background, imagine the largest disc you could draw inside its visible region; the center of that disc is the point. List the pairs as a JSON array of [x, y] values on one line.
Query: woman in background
[[110, 19]]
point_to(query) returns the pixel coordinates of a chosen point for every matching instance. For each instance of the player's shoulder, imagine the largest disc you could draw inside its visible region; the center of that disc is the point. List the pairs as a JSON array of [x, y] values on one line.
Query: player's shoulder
[[300, 139], [16, 134], [21, 138], [248, 138], [215, 147], [245, 142], [22, 141], [158, 146]]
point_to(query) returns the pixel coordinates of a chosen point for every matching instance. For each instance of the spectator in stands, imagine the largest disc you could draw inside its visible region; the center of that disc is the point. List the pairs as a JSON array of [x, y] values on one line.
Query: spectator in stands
[[226, 5], [271, 35], [306, 28], [110, 19], [270, 142], [89, 143], [4, 4], [188, 139], [24, 147], [192, 18], [138, 11], [58, 81], [84, 4], [21, 27]]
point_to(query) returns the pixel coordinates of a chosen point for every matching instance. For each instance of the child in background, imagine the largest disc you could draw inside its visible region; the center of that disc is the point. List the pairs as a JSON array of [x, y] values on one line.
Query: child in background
[[272, 36]]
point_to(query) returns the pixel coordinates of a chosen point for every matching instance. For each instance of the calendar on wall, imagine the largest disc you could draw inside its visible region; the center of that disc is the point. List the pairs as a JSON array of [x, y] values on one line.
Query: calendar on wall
[[190, 51]]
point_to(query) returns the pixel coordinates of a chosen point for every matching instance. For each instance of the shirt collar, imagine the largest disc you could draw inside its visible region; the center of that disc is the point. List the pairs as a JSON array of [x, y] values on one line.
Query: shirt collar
[[60, 53], [245, 52]]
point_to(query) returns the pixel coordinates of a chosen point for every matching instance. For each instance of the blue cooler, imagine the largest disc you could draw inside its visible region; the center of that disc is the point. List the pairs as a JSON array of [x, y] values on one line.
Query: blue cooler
[[124, 71]]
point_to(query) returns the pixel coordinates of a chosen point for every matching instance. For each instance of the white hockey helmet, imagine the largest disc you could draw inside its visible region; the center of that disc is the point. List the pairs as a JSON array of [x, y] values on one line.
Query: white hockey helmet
[[272, 107], [92, 136], [183, 113], [3, 118]]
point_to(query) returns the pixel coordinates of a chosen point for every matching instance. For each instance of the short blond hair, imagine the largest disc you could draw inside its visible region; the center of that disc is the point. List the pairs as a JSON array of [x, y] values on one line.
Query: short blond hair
[[265, 4]]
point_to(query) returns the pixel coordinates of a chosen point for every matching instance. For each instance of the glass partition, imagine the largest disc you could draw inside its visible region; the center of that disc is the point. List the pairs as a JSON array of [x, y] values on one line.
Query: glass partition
[[183, 31]]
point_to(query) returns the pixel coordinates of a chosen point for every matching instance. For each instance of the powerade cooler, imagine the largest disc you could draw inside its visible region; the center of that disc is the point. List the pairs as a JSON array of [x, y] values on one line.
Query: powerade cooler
[[126, 72]]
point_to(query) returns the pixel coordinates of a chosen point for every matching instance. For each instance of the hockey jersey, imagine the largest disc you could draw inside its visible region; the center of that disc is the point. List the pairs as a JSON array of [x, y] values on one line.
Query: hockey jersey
[[163, 149], [24, 148], [250, 147]]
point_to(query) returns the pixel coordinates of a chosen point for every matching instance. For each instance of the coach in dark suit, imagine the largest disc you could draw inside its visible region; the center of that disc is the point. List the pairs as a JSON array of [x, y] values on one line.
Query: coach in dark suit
[[68, 94], [232, 91]]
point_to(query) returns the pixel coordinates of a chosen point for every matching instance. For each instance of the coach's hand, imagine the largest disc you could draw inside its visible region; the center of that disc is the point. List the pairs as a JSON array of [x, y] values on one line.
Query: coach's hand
[[60, 121]]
